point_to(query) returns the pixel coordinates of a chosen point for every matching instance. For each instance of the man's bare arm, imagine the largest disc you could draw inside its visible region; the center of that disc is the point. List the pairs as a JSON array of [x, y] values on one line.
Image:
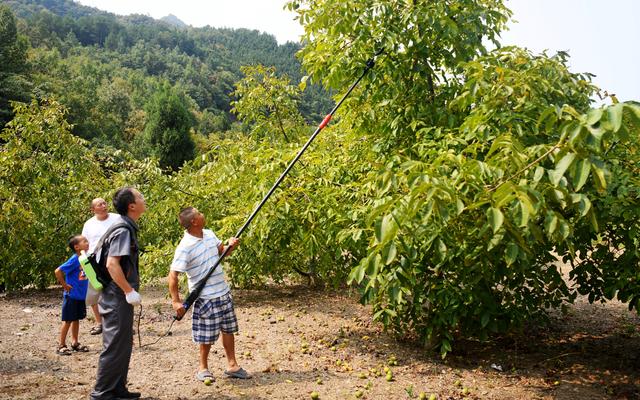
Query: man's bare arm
[[115, 270], [176, 303]]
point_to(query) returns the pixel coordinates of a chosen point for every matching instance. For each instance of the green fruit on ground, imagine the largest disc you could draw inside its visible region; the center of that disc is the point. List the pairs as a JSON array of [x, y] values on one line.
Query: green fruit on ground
[[465, 391], [433, 397], [208, 381], [422, 396], [389, 377], [315, 395], [358, 393]]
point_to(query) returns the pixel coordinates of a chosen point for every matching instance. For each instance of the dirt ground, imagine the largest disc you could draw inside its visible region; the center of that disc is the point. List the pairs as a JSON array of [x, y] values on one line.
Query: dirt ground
[[296, 340]]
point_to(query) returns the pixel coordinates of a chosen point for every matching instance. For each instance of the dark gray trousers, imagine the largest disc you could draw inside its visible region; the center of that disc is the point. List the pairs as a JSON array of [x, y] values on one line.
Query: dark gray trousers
[[117, 343]]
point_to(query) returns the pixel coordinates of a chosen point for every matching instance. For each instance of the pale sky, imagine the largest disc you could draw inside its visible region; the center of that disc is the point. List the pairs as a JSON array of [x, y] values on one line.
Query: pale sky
[[601, 36]]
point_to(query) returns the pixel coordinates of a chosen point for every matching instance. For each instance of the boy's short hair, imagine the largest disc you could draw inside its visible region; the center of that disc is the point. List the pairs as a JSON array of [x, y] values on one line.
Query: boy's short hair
[[186, 216], [122, 198], [73, 241]]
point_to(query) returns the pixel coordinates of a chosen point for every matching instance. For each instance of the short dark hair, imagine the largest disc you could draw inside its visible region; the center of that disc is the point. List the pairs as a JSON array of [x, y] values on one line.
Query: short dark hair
[[186, 216], [73, 241], [122, 198]]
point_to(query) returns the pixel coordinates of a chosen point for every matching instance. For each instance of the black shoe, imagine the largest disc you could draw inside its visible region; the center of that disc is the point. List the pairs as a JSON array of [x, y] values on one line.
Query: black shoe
[[128, 395]]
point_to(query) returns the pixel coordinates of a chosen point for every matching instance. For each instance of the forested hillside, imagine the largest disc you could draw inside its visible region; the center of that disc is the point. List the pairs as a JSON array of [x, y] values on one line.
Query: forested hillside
[[106, 69]]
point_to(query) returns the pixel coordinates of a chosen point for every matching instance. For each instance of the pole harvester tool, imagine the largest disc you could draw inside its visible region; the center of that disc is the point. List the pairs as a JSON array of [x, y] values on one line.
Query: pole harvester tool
[[193, 296]]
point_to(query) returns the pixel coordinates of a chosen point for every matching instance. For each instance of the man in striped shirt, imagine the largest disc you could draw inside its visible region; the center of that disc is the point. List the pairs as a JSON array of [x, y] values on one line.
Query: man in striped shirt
[[213, 311]]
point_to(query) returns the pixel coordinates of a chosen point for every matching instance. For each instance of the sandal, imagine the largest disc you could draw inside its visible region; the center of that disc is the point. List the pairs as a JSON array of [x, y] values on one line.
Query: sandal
[[96, 330], [79, 348], [239, 374], [63, 350], [204, 375]]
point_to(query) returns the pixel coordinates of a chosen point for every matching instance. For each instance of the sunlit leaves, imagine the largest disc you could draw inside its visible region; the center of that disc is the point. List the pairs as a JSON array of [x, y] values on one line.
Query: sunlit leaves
[[47, 179], [268, 103]]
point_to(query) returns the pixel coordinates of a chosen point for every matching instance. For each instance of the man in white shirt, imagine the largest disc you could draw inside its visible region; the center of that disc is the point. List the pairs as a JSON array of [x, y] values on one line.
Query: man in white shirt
[[213, 311], [93, 230]]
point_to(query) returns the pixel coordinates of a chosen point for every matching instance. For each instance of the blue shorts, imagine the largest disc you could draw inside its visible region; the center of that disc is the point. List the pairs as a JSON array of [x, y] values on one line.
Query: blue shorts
[[73, 310], [211, 316]]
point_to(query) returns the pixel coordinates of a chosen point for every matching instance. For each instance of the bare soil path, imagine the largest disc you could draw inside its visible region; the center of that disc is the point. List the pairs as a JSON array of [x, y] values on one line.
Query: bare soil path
[[296, 340]]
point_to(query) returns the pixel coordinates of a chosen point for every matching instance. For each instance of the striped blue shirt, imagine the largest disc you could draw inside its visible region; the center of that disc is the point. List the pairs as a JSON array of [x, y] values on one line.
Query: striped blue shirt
[[196, 256]]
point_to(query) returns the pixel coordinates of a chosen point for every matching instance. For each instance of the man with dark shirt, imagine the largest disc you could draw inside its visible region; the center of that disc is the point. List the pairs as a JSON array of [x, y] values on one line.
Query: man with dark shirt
[[118, 299]]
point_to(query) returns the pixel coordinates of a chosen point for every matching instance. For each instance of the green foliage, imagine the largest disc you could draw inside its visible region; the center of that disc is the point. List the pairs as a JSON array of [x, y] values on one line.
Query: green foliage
[[47, 178], [14, 84], [606, 267], [423, 42], [464, 246], [490, 162], [267, 102], [167, 129]]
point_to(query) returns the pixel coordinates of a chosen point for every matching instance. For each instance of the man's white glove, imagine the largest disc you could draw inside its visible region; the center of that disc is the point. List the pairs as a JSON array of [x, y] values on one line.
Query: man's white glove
[[134, 298]]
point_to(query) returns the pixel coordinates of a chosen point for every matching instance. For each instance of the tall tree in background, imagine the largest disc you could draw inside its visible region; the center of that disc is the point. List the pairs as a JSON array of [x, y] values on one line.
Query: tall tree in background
[[167, 129], [267, 102], [13, 64]]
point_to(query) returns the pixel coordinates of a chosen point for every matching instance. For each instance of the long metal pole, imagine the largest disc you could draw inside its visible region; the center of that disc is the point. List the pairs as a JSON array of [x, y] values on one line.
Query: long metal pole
[[200, 285]]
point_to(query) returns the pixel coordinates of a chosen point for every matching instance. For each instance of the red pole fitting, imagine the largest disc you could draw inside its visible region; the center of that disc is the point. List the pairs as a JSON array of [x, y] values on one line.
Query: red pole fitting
[[325, 121]]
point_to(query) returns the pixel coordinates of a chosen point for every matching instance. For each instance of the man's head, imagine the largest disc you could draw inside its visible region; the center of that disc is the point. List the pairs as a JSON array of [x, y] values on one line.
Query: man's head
[[190, 218], [77, 243], [100, 208], [130, 202]]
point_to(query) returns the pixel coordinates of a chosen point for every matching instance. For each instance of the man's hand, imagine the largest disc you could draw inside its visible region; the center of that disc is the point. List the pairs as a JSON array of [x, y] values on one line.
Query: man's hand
[[133, 298], [66, 287], [233, 243], [178, 307]]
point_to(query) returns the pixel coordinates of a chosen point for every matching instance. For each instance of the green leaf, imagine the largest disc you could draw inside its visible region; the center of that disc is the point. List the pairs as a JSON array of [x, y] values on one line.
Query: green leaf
[[563, 229], [583, 202], [390, 253], [523, 213], [599, 175], [504, 194], [593, 116], [511, 253], [357, 273], [459, 206], [538, 174], [615, 116], [581, 173], [303, 83], [495, 218], [561, 167], [445, 347], [551, 223], [388, 228]]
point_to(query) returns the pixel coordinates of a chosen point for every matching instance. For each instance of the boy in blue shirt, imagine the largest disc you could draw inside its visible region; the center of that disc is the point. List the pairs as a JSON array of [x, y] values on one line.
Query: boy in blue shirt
[[75, 283]]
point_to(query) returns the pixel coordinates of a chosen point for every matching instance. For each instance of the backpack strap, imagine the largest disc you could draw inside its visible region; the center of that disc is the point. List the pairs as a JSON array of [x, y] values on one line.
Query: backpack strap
[[112, 229]]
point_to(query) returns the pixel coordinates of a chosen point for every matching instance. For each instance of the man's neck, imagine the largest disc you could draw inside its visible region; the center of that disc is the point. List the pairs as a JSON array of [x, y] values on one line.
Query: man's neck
[[197, 232], [102, 217]]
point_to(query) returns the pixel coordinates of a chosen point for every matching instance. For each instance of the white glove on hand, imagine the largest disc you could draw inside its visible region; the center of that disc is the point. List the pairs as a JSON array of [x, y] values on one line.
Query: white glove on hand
[[134, 298]]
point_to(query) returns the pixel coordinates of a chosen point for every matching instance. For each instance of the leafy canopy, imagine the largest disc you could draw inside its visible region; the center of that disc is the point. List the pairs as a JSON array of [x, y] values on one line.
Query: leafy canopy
[[487, 164]]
